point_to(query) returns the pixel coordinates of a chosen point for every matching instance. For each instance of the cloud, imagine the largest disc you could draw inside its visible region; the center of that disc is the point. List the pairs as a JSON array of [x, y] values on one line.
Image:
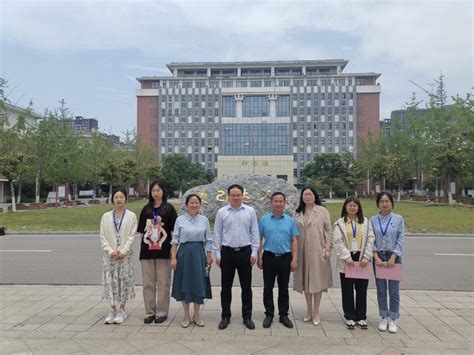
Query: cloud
[[400, 39]]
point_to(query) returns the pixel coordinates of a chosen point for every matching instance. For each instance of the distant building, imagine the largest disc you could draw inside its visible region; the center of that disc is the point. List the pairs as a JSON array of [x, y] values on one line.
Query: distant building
[[265, 117], [83, 126], [111, 137], [13, 113], [385, 127]]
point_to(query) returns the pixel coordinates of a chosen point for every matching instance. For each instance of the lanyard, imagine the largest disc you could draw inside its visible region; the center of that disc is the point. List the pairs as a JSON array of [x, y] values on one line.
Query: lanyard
[[386, 227], [155, 215], [354, 229], [117, 227]]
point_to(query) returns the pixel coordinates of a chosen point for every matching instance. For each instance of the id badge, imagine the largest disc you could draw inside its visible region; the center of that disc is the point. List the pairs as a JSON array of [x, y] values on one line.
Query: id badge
[[354, 245], [154, 234]]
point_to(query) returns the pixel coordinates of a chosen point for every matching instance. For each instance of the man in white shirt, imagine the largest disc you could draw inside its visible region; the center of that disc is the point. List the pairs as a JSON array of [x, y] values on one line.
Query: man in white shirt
[[236, 242]]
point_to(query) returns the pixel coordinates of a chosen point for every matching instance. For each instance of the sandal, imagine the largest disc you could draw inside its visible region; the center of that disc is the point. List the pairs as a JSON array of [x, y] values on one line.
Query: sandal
[[185, 323], [199, 323], [307, 319]]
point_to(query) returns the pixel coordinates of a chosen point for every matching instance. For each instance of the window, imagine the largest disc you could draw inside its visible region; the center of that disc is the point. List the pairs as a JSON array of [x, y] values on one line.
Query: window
[[255, 83], [255, 106], [284, 82], [312, 82], [187, 84], [227, 84], [241, 83], [283, 106], [269, 83], [200, 84], [298, 82], [228, 106], [360, 81]]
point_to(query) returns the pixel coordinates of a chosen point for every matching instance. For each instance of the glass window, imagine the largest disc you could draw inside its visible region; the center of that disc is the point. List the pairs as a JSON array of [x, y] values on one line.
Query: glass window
[[298, 82], [200, 84], [241, 83], [255, 83], [269, 83], [255, 106], [284, 82], [228, 106], [283, 106], [227, 84], [187, 84]]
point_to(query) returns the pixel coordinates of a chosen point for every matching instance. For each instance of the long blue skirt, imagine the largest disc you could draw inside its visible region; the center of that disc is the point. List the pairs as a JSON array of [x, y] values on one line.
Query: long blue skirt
[[189, 280]]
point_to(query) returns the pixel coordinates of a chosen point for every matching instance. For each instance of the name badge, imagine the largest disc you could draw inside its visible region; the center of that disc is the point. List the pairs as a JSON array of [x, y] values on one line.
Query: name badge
[[154, 234], [354, 245]]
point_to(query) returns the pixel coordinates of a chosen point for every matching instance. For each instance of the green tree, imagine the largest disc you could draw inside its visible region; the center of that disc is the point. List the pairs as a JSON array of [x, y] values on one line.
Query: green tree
[[325, 167], [11, 166]]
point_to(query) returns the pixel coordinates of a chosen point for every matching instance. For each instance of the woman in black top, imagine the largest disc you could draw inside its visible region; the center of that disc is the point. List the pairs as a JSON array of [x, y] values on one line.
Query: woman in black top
[[156, 223]]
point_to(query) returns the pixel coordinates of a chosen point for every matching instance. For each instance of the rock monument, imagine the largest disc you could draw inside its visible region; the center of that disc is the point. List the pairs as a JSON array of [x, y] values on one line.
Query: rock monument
[[258, 190]]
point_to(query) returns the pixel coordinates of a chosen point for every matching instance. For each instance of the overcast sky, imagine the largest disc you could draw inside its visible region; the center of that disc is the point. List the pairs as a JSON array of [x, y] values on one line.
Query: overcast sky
[[91, 52]]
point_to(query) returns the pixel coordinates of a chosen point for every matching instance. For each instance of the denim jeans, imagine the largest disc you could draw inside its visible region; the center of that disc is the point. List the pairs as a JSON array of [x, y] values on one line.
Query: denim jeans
[[393, 291]]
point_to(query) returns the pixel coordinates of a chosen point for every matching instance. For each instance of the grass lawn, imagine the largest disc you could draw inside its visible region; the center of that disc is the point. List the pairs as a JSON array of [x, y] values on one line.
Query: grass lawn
[[418, 217]]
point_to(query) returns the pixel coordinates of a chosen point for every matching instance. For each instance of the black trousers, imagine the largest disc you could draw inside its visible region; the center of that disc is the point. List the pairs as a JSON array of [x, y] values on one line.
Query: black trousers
[[232, 260], [359, 310], [276, 266]]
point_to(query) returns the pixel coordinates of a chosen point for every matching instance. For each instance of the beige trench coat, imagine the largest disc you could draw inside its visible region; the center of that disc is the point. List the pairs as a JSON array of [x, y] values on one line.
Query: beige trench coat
[[313, 274]]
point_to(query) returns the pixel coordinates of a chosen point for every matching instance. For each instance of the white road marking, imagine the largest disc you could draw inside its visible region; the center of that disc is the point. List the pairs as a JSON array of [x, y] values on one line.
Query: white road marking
[[25, 251], [446, 254]]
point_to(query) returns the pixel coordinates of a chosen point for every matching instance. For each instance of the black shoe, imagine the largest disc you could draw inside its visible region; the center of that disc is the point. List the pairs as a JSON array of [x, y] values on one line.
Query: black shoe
[[267, 322], [286, 322], [224, 323], [160, 319], [249, 324], [149, 319]]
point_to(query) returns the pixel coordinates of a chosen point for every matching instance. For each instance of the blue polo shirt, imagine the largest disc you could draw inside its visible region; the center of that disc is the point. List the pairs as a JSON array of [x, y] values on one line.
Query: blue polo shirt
[[277, 233]]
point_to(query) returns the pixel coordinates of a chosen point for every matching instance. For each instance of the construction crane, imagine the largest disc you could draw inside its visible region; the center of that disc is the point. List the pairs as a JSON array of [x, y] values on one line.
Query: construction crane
[[430, 94]]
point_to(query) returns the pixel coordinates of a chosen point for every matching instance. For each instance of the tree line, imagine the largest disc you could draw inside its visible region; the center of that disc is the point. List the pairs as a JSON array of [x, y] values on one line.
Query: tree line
[[426, 150], [52, 153]]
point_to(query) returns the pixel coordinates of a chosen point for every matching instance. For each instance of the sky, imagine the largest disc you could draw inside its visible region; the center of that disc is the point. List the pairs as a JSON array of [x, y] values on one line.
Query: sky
[[90, 53]]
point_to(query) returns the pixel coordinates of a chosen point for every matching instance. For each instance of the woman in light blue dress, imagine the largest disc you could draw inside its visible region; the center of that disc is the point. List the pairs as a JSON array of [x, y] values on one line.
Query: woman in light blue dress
[[190, 253]]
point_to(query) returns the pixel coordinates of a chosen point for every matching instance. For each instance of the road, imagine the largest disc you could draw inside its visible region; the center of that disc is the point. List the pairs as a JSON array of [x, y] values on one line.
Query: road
[[430, 263]]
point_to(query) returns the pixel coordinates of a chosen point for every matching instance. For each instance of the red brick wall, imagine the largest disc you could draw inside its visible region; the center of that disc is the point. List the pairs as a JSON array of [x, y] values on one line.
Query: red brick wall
[[147, 122], [368, 114]]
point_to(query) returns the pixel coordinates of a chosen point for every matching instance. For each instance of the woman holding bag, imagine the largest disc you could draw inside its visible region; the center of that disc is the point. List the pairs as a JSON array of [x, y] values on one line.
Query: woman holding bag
[[353, 242]]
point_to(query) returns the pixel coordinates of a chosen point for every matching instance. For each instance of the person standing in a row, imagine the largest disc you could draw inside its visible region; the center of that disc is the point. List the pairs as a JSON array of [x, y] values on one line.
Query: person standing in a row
[[235, 244], [190, 254], [277, 256], [389, 229], [156, 223], [313, 274], [117, 232], [353, 242]]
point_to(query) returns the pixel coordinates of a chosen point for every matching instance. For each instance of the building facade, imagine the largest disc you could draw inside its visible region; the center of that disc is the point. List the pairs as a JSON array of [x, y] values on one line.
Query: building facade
[[83, 126], [262, 117]]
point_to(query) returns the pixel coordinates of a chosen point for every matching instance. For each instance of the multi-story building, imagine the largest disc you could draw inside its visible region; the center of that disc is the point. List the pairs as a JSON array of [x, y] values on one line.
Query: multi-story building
[[83, 126], [265, 117]]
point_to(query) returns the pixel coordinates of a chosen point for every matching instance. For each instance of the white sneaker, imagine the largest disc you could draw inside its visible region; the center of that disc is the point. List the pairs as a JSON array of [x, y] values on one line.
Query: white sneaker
[[109, 318], [120, 317], [383, 324], [392, 326]]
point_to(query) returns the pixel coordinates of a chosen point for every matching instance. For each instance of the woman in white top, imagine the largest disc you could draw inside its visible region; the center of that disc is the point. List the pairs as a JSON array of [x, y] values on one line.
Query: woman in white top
[[117, 232]]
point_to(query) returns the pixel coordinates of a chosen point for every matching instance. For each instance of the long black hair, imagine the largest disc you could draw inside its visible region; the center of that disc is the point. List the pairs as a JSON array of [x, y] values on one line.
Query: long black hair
[[151, 201], [317, 200], [360, 214]]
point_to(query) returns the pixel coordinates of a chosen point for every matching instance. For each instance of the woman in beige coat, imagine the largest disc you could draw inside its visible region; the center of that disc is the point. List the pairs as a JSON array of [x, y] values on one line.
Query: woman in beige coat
[[313, 275]]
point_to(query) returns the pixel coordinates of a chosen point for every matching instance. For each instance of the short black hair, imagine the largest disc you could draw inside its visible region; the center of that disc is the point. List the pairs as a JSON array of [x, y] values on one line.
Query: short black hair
[[235, 186], [360, 214], [385, 193], [190, 196], [278, 193], [122, 190]]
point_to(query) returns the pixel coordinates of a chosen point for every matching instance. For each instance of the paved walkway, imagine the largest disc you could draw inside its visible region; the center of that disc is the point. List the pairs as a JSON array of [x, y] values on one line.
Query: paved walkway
[[68, 319]]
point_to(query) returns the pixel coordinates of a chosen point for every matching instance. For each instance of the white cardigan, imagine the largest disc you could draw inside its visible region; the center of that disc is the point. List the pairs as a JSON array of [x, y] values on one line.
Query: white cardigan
[[127, 232], [340, 242]]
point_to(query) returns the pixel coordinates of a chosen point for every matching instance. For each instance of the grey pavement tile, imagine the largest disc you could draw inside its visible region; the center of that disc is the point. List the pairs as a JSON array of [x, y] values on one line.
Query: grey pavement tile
[[128, 328], [6, 326], [26, 326], [59, 347], [77, 327], [458, 345], [10, 345], [15, 319], [454, 321], [152, 328], [417, 311], [52, 326]]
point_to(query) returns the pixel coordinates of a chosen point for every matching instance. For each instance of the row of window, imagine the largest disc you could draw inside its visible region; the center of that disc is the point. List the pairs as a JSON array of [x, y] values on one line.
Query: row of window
[[243, 83]]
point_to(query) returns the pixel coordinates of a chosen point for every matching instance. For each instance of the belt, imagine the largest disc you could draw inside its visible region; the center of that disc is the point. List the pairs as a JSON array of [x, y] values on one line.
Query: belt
[[276, 255], [237, 248]]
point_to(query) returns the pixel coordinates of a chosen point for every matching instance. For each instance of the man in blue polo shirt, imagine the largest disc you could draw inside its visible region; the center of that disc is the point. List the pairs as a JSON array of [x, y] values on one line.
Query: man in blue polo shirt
[[277, 256]]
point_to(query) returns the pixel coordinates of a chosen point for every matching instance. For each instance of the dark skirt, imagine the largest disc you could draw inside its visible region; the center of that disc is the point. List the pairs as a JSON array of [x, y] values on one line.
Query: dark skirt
[[190, 283]]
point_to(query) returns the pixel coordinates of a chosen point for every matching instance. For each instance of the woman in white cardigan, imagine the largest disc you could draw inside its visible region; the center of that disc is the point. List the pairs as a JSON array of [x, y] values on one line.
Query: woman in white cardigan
[[353, 241], [117, 232]]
